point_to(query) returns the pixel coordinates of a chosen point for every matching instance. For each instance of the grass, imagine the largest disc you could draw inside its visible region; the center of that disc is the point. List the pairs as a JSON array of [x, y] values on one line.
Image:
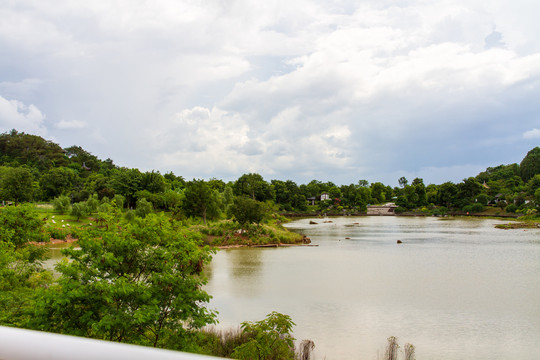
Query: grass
[[227, 233]]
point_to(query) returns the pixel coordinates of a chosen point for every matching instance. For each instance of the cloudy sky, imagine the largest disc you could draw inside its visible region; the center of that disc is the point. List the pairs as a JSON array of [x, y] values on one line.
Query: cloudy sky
[[305, 89]]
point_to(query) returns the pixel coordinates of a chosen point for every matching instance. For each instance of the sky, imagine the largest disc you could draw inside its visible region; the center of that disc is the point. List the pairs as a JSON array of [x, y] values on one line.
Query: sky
[[293, 90]]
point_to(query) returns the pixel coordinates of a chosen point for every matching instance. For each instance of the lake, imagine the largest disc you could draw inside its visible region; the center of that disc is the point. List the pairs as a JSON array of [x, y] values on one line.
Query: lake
[[455, 289]]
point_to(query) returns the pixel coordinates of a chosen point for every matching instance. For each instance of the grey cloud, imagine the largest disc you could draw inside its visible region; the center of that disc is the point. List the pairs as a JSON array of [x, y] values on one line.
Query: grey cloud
[[494, 40]]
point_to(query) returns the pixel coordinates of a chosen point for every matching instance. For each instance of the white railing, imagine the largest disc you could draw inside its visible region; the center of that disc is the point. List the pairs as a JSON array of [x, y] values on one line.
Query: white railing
[[20, 344]]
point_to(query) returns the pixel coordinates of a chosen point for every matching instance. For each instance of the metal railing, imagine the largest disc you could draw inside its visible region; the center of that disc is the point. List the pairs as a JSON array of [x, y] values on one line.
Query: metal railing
[[20, 344]]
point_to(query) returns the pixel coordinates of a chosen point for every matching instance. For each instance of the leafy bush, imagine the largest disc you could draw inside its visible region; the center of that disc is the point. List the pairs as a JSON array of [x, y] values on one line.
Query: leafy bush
[[61, 204], [129, 215], [57, 233], [270, 338], [511, 208], [119, 200], [79, 210], [400, 210], [92, 204], [144, 207], [247, 211]]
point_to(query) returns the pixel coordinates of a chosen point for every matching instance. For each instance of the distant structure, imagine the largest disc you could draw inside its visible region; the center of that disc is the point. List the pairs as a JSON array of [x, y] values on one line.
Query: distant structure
[[312, 199], [388, 209]]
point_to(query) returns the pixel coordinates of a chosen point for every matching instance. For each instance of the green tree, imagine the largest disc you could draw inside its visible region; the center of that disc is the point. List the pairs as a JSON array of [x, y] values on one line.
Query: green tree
[[79, 209], [271, 338], [61, 204], [57, 181], [378, 192], [20, 225], [87, 162], [143, 208], [469, 188], [201, 200], [23, 149], [254, 186], [447, 194], [247, 211], [138, 282], [154, 182], [530, 165], [92, 204], [127, 182], [16, 184], [403, 181], [420, 191]]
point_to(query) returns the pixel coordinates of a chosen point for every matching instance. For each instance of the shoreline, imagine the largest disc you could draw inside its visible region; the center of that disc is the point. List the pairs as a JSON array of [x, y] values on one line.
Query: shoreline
[[237, 246]]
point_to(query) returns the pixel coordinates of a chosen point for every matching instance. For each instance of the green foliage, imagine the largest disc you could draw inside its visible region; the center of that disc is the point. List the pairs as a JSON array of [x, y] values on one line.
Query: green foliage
[[143, 208], [24, 149], [511, 208], [247, 211], [92, 204], [19, 225], [57, 181], [21, 271], [201, 200], [129, 215], [473, 208], [16, 184], [482, 199], [530, 165], [127, 182], [58, 233], [61, 204], [137, 282], [254, 186], [119, 200], [153, 182], [79, 210], [87, 162], [21, 274], [270, 338]]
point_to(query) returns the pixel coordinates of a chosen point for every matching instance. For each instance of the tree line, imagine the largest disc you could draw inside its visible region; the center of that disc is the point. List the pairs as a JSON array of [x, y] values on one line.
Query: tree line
[[33, 169]]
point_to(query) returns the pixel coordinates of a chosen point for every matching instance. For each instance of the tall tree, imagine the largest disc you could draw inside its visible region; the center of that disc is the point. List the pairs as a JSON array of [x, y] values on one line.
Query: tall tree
[[530, 165], [254, 186], [127, 182], [57, 181], [201, 200], [247, 211], [403, 181], [16, 184]]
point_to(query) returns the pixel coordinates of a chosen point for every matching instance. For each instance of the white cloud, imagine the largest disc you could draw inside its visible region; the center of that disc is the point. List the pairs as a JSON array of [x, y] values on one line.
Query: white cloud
[[311, 88], [72, 124], [16, 115], [532, 134]]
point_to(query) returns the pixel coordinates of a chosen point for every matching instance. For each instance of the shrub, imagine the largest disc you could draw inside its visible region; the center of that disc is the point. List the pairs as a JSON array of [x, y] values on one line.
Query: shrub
[[129, 215], [400, 210], [119, 200], [270, 338], [92, 204], [57, 233], [79, 210], [511, 208], [61, 204], [144, 207], [476, 208]]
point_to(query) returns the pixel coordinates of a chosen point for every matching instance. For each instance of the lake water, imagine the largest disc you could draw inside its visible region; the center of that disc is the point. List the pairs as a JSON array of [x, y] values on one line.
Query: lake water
[[455, 289]]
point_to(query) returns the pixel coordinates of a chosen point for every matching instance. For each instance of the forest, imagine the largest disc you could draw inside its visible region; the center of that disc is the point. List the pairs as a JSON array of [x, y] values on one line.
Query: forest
[[143, 239], [35, 170]]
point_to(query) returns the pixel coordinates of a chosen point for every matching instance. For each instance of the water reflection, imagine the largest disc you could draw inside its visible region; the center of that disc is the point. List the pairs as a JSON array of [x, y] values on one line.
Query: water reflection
[[247, 262]]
